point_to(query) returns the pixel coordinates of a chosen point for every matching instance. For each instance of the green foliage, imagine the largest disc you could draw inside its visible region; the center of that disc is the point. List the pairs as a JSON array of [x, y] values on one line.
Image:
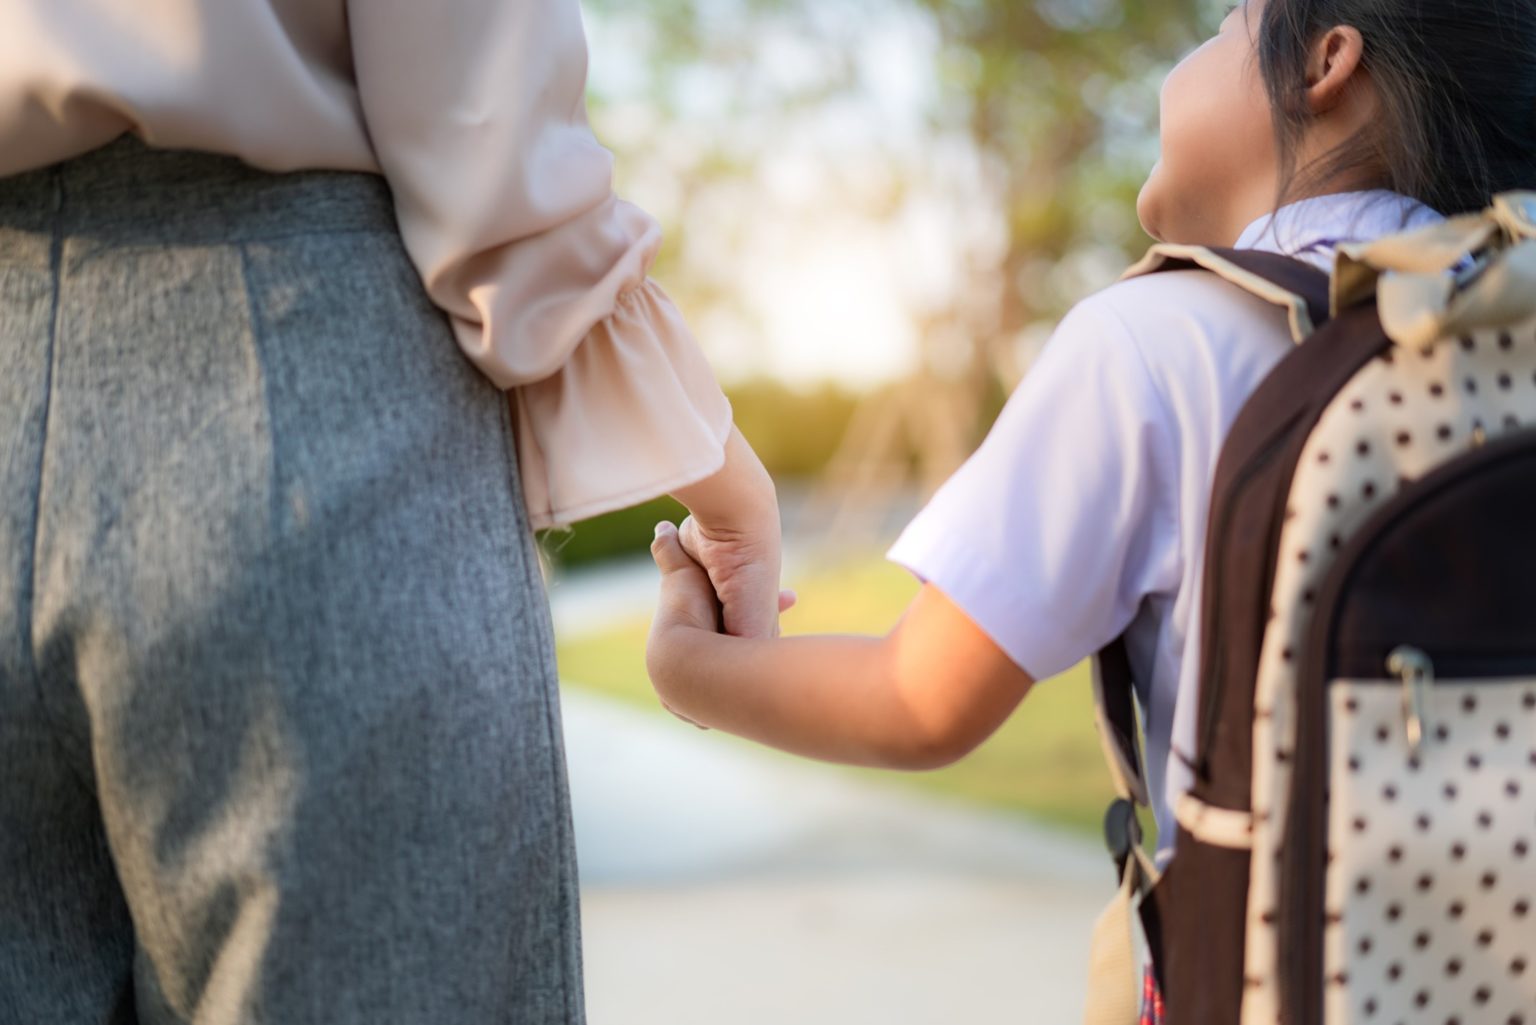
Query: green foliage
[[794, 432], [626, 532]]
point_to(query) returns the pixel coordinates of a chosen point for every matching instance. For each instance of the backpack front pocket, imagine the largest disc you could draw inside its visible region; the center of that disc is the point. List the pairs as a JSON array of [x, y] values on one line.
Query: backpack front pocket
[[1430, 873], [1410, 855]]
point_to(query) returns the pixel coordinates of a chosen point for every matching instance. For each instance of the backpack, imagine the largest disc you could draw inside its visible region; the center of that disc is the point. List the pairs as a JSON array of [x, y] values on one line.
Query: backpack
[[1359, 842]]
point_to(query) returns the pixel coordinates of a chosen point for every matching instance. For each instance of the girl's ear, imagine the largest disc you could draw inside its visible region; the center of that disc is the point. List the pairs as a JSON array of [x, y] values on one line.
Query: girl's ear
[[1333, 65]]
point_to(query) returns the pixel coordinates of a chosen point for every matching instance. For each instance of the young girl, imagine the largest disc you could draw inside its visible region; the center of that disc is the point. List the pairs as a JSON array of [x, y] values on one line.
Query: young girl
[[1300, 125]]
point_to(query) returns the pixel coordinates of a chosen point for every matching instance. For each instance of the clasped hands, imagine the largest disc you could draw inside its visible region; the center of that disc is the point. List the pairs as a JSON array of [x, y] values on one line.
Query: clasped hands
[[720, 568]]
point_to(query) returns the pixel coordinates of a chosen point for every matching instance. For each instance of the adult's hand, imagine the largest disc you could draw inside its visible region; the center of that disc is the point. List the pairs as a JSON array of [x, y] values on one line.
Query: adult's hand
[[733, 532]]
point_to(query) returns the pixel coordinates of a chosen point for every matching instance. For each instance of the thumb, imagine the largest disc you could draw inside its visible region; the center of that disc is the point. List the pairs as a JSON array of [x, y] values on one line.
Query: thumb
[[686, 594], [667, 550]]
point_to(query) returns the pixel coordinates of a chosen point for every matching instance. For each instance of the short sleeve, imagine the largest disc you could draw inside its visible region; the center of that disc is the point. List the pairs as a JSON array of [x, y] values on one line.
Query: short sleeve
[[1051, 535], [476, 113]]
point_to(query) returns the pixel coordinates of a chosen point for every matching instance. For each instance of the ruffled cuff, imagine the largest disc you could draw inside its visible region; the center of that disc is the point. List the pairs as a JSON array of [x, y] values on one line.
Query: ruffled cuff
[[634, 413]]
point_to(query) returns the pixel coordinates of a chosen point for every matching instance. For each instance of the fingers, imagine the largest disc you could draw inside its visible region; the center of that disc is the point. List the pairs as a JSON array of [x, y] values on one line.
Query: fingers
[[787, 600], [752, 608], [688, 536], [748, 590]]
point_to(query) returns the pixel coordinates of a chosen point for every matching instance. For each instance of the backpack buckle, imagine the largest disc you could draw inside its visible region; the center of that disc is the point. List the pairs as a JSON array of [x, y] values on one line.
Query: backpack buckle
[[1122, 831]]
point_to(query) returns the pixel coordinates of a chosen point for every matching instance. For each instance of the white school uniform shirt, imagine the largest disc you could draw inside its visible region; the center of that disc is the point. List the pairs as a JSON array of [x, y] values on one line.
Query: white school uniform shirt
[[1083, 514]]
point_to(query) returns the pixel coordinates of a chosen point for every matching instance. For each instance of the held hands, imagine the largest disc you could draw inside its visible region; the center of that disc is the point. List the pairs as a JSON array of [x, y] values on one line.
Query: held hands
[[689, 598], [732, 532], [689, 602], [720, 569], [918, 697]]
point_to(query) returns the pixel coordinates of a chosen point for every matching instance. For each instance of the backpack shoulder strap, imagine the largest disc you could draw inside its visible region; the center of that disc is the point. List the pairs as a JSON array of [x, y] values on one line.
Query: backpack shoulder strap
[[1115, 712], [1303, 291], [1295, 286], [1114, 975]]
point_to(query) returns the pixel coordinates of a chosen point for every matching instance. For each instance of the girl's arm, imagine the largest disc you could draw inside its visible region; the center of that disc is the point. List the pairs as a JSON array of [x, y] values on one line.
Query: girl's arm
[[921, 697]]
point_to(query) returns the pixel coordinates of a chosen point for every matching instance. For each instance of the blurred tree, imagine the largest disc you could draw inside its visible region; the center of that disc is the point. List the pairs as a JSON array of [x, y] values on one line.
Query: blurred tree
[[1059, 99], [1054, 102], [691, 108]]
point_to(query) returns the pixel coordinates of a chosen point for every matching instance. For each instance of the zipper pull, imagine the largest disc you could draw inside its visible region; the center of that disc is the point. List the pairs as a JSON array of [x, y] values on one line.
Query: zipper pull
[[1417, 672]]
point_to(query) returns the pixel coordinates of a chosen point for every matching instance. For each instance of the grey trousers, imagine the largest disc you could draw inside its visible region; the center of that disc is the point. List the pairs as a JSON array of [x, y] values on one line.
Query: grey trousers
[[279, 731]]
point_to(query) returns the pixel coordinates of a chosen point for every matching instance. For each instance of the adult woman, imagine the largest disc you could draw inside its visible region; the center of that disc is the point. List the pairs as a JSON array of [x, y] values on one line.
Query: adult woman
[[276, 684]]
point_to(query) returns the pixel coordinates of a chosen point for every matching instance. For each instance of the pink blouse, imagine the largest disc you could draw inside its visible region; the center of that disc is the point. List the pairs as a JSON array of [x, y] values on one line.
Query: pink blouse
[[474, 111]]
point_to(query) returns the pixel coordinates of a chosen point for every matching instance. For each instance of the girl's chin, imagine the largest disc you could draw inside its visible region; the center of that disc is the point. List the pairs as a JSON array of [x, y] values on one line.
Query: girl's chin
[[1149, 206]]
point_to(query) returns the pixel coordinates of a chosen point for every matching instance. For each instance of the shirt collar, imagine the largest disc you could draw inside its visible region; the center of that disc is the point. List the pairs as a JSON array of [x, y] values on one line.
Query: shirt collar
[[1311, 228]]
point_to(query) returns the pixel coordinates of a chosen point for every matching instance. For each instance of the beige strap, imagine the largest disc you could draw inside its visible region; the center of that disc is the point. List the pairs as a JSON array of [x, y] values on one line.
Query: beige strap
[[1294, 305], [1221, 827], [1114, 981], [1114, 978], [1515, 212]]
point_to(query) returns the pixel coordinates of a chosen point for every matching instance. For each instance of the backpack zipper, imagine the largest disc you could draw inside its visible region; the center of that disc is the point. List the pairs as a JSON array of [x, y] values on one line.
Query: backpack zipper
[[1417, 672]]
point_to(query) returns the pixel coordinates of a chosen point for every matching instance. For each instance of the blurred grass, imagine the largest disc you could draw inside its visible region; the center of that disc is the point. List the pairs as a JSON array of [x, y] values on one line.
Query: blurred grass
[[1044, 761]]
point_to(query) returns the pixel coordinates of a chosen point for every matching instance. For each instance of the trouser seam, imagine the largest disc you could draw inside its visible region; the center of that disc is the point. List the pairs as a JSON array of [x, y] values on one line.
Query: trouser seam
[[29, 580], [258, 333]]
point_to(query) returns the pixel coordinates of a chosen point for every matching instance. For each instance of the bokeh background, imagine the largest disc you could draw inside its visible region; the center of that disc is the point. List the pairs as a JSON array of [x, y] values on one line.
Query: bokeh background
[[876, 210]]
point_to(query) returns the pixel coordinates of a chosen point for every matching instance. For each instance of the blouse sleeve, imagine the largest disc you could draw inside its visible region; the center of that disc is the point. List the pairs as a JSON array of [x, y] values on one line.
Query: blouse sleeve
[[1065, 519], [476, 113]]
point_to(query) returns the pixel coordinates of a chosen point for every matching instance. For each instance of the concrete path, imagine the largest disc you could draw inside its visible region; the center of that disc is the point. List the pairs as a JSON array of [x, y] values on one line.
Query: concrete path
[[730, 886]]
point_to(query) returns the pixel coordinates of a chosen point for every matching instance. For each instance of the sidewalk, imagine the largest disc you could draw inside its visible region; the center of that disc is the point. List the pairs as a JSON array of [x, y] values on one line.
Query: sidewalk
[[731, 886]]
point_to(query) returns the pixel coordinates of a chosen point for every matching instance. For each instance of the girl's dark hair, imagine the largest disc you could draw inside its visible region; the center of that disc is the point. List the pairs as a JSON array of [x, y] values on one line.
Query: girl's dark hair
[[1457, 82]]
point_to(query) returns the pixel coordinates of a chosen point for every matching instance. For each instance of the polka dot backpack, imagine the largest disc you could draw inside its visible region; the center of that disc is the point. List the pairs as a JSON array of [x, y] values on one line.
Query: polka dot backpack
[[1359, 845]]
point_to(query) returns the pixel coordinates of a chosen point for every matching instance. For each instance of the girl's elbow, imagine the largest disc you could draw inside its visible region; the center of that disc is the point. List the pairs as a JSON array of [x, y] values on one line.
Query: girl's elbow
[[928, 750]]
